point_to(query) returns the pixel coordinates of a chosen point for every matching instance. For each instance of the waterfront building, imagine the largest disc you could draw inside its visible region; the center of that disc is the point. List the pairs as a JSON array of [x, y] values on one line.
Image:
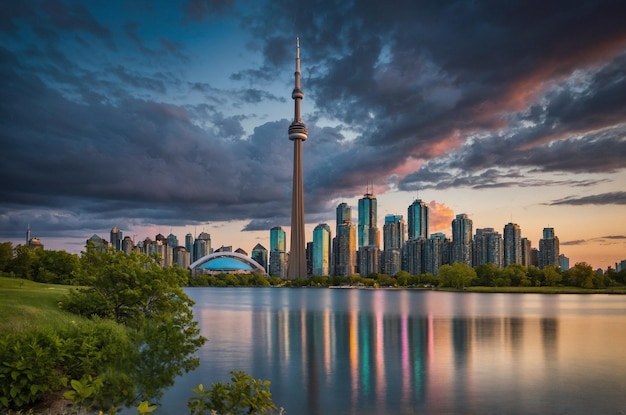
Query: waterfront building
[[437, 252], [512, 244], [548, 249], [367, 227], [127, 245], [201, 246], [298, 134], [182, 257], [563, 262], [116, 238], [189, 243], [394, 231], [321, 252], [259, 254], [418, 220], [462, 239], [488, 246], [526, 252], [345, 249], [172, 240], [413, 256], [369, 260], [343, 213], [277, 239]]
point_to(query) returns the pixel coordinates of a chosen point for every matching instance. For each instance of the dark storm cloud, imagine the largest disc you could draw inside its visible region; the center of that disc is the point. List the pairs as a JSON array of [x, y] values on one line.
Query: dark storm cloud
[[612, 198], [423, 73]]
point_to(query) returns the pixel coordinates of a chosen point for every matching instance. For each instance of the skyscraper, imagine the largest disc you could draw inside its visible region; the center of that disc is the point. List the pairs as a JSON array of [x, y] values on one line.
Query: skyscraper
[[462, 239], [116, 238], [297, 134], [344, 213], [549, 249], [487, 247], [393, 240], [321, 249], [259, 254], [512, 244], [277, 239], [346, 249], [278, 257], [418, 220], [201, 246], [368, 231], [189, 243]]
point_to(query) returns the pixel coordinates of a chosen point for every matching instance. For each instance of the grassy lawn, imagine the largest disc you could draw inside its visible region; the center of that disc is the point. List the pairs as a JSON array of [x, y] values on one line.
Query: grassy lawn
[[547, 290], [26, 305]]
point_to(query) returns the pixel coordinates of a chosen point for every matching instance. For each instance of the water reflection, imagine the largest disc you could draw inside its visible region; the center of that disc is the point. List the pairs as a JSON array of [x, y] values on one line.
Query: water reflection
[[394, 352]]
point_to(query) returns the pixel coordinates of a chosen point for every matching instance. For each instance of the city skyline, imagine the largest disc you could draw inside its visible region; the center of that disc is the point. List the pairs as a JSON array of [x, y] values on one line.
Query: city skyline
[[172, 116]]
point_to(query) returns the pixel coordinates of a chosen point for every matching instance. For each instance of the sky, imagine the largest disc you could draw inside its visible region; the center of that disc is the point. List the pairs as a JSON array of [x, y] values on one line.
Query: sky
[[172, 116]]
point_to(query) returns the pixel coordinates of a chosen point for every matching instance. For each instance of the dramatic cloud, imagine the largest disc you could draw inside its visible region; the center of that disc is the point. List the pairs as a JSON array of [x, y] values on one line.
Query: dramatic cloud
[[440, 216], [177, 113]]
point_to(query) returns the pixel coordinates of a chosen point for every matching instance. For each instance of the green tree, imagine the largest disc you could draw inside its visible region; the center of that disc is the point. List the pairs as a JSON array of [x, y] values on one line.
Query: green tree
[[486, 274], [458, 275], [21, 265], [582, 275], [6, 254], [551, 276]]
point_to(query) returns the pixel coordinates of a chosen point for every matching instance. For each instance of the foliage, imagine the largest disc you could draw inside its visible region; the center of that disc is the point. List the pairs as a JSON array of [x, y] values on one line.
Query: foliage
[[243, 395], [48, 266], [458, 275]]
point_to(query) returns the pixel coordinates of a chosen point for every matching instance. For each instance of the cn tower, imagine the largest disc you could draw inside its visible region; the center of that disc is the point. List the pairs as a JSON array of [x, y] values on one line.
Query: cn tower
[[297, 134]]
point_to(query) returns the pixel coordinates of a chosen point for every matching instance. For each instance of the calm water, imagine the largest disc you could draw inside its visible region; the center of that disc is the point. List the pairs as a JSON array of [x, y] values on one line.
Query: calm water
[[345, 351]]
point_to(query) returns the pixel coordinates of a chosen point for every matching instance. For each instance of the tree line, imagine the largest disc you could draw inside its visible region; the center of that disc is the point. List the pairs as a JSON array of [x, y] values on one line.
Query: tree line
[[60, 267]]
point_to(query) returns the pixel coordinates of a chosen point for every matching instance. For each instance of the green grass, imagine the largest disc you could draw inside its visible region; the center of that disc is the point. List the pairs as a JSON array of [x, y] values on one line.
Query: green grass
[[27, 305], [548, 290]]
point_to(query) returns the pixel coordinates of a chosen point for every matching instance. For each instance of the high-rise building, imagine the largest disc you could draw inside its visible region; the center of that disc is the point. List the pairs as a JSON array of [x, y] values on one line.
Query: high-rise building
[[413, 256], [182, 258], [189, 243], [368, 230], [344, 213], [563, 262], [462, 239], [526, 252], [172, 240], [127, 245], [369, 260], [394, 230], [116, 238], [345, 249], [512, 244], [259, 254], [298, 134], [277, 239], [436, 252], [488, 247], [549, 249], [418, 220], [201, 246], [321, 250], [278, 256]]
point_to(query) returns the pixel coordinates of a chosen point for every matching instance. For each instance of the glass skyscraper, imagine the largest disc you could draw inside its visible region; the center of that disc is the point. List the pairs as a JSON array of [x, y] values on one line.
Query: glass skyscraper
[[321, 249], [418, 220], [277, 239], [368, 230]]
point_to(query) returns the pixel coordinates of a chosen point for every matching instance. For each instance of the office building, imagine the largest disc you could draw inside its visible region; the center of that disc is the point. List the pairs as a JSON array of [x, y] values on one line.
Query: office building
[[462, 239], [345, 249], [367, 227], [512, 244], [116, 238], [548, 249], [321, 255], [259, 254], [418, 220], [278, 255], [394, 231], [526, 253], [488, 246], [201, 246], [189, 243]]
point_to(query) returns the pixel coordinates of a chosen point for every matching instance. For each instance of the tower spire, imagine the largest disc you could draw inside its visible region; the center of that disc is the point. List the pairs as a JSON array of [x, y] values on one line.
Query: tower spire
[[297, 133]]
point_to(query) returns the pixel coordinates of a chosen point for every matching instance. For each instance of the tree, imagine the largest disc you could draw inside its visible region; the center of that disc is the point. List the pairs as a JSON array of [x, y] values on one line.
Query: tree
[[6, 254], [582, 275], [551, 276], [458, 275]]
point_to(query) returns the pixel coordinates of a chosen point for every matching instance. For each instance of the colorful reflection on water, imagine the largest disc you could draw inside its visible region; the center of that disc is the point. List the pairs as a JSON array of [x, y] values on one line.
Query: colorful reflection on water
[[348, 351]]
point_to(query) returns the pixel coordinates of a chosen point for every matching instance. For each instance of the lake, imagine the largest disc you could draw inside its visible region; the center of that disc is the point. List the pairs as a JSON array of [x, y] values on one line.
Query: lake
[[360, 351]]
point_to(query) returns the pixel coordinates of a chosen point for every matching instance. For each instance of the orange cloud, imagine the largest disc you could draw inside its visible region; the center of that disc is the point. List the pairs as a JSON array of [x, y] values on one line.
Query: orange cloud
[[439, 216]]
